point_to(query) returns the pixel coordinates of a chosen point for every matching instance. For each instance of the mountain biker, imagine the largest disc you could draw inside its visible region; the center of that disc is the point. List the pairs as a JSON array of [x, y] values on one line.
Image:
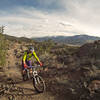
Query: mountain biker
[[26, 60]]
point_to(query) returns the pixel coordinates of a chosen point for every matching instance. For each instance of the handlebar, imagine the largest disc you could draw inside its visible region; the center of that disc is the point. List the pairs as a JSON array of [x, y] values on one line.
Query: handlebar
[[33, 66]]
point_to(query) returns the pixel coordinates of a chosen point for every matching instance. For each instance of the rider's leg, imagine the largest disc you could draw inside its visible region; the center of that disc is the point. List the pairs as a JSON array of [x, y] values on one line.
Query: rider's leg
[[30, 64], [23, 69]]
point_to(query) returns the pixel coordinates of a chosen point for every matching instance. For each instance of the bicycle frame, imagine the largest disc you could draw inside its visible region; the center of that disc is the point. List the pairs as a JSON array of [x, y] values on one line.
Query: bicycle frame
[[34, 72]]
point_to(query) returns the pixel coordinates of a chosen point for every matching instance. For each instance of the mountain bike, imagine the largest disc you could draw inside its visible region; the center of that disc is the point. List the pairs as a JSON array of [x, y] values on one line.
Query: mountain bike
[[38, 82]]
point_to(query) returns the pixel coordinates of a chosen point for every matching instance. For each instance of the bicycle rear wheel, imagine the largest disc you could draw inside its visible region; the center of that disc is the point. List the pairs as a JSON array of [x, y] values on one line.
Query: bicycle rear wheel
[[39, 84], [25, 76]]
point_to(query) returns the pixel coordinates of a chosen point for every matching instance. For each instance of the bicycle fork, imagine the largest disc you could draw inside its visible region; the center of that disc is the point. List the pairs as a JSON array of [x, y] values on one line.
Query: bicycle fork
[[34, 75]]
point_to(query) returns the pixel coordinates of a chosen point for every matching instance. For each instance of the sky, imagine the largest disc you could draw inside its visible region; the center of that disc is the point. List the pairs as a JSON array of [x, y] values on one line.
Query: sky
[[38, 18]]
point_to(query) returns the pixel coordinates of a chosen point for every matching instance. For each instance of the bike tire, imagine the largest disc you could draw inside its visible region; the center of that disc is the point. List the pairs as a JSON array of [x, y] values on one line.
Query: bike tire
[[39, 84], [25, 76]]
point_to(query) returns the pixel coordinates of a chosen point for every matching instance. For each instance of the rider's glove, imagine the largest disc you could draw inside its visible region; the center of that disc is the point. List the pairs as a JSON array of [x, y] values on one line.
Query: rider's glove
[[25, 66], [41, 64]]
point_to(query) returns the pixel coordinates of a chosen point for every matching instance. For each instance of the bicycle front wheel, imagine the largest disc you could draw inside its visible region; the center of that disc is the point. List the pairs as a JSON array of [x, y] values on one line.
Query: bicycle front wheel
[[39, 84]]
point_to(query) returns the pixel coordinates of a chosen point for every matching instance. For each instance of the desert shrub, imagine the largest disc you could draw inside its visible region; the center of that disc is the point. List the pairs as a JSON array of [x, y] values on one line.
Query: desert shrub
[[44, 47], [3, 46]]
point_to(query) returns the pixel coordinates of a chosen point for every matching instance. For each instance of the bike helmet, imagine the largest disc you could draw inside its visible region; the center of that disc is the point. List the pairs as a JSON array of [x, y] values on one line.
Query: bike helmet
[[31, 49]]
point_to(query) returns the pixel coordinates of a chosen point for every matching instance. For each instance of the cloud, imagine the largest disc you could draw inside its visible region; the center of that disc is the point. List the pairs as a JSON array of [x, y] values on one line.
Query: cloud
[[31, 22], [51, 17]]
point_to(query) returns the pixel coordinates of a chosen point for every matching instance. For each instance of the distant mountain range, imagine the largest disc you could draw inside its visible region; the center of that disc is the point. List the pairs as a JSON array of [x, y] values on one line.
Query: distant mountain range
[[75, 40]]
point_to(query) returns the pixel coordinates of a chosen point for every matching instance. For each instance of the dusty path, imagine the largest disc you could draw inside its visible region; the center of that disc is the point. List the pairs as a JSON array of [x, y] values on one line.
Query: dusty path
[[58, 86], [13, 71], [24, 91]]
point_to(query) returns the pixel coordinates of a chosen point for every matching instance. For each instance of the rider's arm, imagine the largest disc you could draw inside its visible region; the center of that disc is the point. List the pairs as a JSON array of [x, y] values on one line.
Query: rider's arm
[[36, 56], [24, 57]]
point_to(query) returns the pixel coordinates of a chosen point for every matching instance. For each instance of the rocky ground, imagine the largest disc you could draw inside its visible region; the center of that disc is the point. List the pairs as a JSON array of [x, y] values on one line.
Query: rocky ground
[[68, 75]]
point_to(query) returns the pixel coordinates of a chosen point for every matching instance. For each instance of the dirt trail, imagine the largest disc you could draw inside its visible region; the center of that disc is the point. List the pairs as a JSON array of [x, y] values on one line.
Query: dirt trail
[[58, 85], [13, 71]]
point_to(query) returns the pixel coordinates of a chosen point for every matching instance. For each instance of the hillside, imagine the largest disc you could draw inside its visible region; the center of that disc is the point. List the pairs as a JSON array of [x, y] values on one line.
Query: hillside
[[3, 45], [70, 72], [75, 40]]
